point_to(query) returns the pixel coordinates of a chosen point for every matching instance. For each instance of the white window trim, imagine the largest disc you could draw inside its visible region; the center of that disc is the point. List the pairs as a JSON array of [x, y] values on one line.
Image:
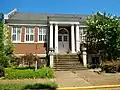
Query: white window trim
[[16, 35], [33, 36], [42, 35]]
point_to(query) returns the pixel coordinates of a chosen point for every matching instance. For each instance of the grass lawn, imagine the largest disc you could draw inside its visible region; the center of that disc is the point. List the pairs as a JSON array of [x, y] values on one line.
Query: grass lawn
[[22, 73], [22, 86]]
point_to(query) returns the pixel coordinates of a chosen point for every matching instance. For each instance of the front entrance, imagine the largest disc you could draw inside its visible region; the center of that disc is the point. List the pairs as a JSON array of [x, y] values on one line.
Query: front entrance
[[63, 40]]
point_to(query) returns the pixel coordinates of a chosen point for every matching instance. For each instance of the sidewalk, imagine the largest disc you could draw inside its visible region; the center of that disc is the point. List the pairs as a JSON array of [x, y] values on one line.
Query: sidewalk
[[99, 79], [85, 78], [69, 79]]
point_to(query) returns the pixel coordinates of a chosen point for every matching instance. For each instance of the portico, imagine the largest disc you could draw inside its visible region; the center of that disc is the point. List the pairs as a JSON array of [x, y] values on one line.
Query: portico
[[62, 38]]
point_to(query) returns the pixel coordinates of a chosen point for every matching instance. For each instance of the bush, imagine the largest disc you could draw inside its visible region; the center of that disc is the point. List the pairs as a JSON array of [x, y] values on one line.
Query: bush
[[111, 66], [50, 86], [93, 66], [2, 72], [24, 86], [21, 73], [29, 60]]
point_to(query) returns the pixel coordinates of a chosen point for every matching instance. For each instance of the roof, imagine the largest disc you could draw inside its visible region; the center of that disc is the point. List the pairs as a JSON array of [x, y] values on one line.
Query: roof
[[24, 17]]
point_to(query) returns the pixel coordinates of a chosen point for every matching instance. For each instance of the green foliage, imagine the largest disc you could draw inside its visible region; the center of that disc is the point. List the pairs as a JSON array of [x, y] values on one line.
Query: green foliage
[[21, 73], [12, 86], [24, 86], [103, 33], [2, 53], [50, 86], [93, 66], [6, 47], [2, 72], [111, 66]]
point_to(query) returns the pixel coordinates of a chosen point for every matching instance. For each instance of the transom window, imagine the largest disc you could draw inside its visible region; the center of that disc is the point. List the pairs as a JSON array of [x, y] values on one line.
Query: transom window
[[42, 34], [29, 34], [16, 34]]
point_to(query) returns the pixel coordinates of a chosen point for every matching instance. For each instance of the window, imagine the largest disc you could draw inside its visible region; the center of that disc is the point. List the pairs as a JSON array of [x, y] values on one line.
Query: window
[[16, 34], [59, 38], [29, 34], [42, 34], [65, 38]]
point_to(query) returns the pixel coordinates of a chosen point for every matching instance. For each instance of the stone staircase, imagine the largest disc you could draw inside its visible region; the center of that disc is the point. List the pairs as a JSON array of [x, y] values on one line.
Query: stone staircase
[[67, 62]]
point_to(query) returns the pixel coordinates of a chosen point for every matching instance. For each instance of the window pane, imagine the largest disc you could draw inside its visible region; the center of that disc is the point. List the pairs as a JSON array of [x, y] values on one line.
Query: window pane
[[31, 30], [40, 31], [27, 30], [18, 37], [14, 30], [59, 38], [27, 37], [31, 37], [18, 30], [65, 38], [44, 37], [44, 31], [14, 37], [40, 37]]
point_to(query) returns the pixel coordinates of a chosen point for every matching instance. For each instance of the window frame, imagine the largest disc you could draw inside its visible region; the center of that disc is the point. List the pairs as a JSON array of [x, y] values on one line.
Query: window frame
[[16, 28], [29, 35], [42, 34]]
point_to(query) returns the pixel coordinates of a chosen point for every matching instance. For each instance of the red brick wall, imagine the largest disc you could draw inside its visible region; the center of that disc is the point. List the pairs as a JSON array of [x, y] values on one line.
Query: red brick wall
[[23, 48], [36, 34], [22, 34]]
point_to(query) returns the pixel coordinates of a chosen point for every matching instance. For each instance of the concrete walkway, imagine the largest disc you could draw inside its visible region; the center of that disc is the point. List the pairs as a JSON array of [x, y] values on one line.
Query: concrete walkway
[[99, 79], [69, 79], [85, 78]]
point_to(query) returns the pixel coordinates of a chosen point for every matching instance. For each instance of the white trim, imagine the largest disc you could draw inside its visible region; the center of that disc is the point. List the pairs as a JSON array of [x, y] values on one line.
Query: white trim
[[41, 55], [42, 35], [28, 24], [83, 26], [55, 22], [16, 35], [33, 36]]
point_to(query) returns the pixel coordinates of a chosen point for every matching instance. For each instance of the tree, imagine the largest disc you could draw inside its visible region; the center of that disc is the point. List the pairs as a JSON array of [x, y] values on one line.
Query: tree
[[2, 52], [103, 33], [6, 46]]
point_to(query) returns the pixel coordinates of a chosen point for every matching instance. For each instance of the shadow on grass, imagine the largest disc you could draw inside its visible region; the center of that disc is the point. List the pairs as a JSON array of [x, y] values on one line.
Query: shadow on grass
[[45, 86]]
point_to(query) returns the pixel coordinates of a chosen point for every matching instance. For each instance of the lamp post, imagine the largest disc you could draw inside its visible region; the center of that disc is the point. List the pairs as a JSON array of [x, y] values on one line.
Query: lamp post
[[36, 58]]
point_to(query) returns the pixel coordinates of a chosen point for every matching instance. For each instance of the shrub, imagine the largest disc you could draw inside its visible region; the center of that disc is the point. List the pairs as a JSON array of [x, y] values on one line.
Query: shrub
[[46, 72], [29, 60], [111, 66], [21, 73], [2, 72], [24, 86], [50, 86], [93, 66]]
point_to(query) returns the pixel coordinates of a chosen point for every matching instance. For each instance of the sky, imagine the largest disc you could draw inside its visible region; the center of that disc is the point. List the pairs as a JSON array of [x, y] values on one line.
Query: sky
[[62, 6]]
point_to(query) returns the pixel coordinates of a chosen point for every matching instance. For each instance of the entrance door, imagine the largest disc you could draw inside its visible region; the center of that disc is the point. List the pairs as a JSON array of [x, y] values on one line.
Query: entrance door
[[63, 41]]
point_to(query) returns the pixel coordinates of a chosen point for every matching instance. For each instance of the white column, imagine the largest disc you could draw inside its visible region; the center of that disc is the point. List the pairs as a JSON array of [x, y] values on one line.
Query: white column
[[84, 57], [72, 39], [77, 39], [51, 46], [51, 36], [51, 61], [56, 38]]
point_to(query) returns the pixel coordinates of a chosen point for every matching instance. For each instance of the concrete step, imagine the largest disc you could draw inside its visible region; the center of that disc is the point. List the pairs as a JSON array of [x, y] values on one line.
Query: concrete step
[[67, 62], [68, 69]]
